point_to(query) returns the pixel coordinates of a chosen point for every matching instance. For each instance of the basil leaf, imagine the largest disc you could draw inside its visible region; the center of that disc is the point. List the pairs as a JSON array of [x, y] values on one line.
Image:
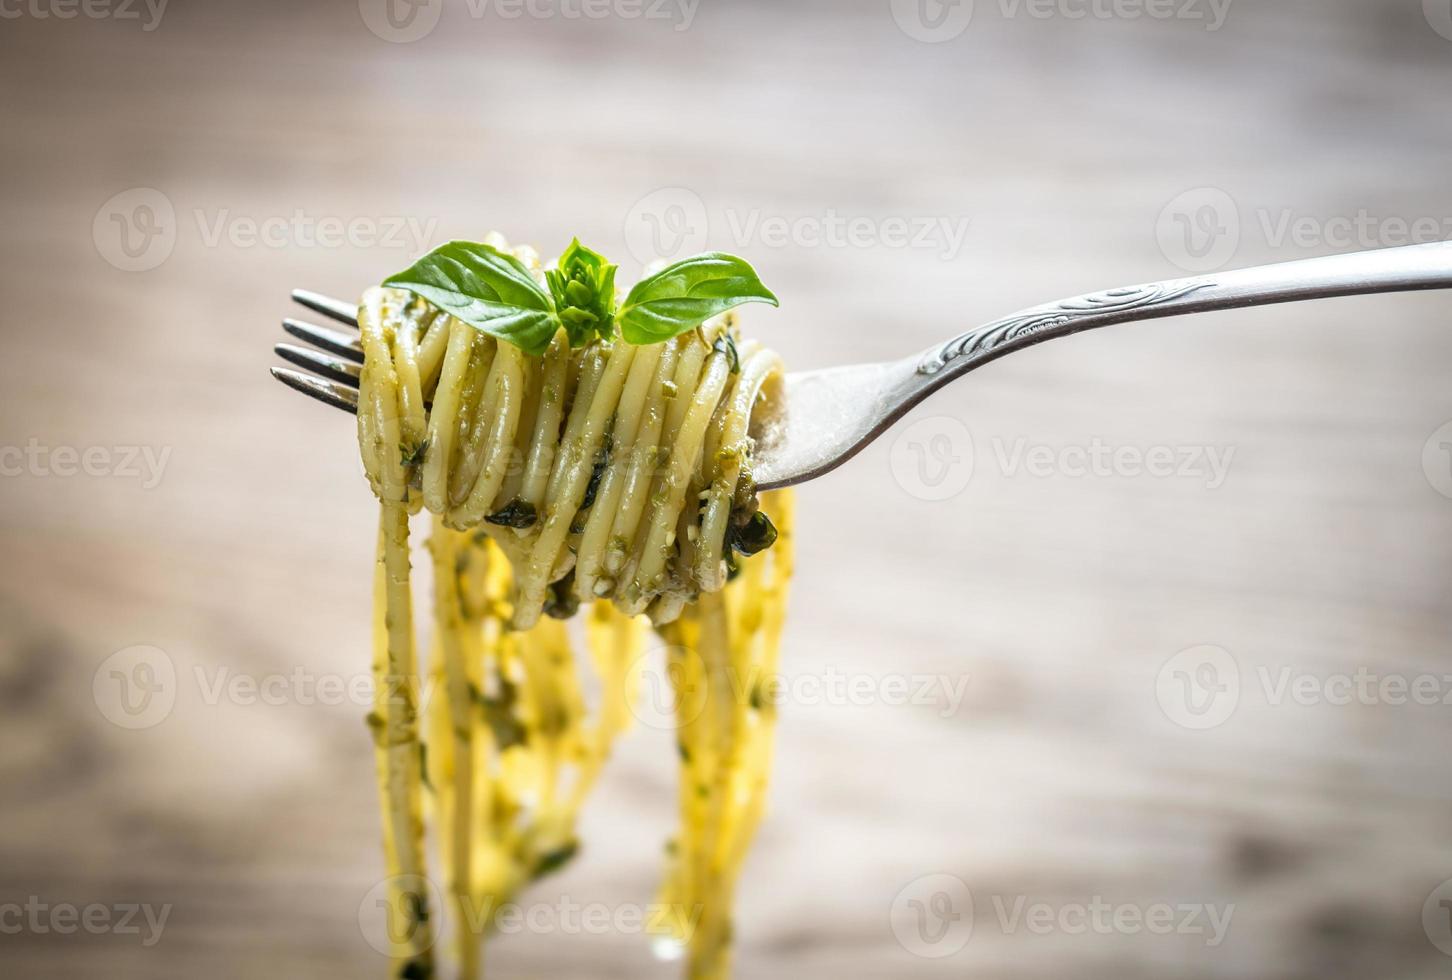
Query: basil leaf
[[757, 534], [486, 288], [725, 345], [517, 514], [686, 294], [578, 254], [583, 284]]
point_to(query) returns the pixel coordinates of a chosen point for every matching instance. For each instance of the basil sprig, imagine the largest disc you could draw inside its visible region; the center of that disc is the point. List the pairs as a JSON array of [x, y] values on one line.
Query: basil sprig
[[686, 294], [583, 285], [490, 289], [493, 291]]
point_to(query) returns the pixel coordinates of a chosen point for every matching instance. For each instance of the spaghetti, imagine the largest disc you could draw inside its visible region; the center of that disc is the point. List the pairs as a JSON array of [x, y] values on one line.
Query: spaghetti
[[607, 473]]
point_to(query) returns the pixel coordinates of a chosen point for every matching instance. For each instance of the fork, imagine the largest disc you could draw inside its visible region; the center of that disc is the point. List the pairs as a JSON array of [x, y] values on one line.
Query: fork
[[832, 414]]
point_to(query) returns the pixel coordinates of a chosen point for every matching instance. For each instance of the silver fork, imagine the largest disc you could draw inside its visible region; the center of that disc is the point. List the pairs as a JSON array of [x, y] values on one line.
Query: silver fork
[[832, 414]]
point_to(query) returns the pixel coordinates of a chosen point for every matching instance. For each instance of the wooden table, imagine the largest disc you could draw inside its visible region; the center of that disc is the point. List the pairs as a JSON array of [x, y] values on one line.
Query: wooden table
[[1035, 609]]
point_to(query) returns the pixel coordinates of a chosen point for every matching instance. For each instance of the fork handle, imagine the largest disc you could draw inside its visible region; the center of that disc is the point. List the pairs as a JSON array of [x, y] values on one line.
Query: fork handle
[[1388, 270]]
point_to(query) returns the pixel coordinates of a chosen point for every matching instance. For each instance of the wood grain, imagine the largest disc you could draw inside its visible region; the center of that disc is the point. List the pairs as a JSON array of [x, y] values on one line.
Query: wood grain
[[1054, 600]]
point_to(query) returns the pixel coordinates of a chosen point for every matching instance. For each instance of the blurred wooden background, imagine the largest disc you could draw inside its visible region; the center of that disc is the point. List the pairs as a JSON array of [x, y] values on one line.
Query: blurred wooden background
[[1056, 600]]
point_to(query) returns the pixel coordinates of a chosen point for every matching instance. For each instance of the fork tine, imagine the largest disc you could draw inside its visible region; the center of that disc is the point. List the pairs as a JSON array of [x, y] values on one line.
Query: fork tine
[[344, 372], [324, 391], [327, 306], [345, 345]]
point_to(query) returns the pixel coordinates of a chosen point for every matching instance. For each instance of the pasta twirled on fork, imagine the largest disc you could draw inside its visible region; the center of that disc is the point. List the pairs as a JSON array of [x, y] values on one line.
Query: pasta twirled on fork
[[606, 473]]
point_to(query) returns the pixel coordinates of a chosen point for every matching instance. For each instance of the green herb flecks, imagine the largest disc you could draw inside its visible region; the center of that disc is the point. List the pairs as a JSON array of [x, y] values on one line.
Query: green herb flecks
[[757, 534], [517, 513], [498, 714], [726, 344], [554, 860], [560, 601], [602, 459]]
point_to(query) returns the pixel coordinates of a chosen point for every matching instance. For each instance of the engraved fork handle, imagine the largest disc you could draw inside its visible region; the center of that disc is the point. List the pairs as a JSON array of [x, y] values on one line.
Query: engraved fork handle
[[1388, 270]]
